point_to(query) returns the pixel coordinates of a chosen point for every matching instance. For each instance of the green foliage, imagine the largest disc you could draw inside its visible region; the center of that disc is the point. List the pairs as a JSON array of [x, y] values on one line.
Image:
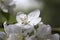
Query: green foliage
[[2, 18], [6, 15]]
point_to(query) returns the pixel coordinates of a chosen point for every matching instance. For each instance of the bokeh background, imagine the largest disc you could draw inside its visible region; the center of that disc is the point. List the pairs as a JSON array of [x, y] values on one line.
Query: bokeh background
[[50, 14]]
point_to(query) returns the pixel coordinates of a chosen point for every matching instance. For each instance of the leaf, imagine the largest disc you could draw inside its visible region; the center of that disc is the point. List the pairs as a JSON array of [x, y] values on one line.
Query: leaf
[[6, 15]]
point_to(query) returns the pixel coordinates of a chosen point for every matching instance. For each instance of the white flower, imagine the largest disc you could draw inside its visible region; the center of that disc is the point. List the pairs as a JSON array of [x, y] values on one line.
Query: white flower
[[51, 37], [19, 5], [27, 21], [9, 29], [14, 32], [54, 37], [3, 36], [43, 30], [44, 33]]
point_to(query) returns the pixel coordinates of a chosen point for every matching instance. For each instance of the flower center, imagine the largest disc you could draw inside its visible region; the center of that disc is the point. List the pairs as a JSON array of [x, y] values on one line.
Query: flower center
[[24, 20]]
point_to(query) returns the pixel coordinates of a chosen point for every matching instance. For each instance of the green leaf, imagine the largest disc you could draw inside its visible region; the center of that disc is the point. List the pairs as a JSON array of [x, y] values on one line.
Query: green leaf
[[6, 15], [2, 18]]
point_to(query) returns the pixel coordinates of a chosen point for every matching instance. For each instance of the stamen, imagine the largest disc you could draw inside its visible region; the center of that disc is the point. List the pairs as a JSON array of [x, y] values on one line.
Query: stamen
[[24, 20]]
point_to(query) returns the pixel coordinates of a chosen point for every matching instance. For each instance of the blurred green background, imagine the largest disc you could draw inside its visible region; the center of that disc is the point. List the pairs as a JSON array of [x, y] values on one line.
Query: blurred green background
[[50, 15]]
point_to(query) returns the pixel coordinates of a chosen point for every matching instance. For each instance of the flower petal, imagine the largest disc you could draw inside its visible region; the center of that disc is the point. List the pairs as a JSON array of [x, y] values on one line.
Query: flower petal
[[41, 23], [26, 26], [12, 29], [27, 29], [3, 36], [43, 31], [35, 21], [33, 15], [18, 24], [55, 37], [19, 16]]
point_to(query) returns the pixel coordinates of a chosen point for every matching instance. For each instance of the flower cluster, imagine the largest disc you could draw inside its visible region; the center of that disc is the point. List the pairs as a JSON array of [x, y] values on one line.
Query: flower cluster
[[29, 27]]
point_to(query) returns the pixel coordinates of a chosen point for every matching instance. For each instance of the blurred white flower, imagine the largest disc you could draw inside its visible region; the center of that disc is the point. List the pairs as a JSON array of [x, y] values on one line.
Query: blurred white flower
[[14, 32], [43, 30], [9, 29], [4, 5], [27, 21], [54, 37], [44, 33], [3, 36], [19, 5]]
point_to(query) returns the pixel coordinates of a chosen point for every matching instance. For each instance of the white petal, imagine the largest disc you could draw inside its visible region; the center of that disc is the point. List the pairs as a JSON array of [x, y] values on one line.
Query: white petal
[[12, 29], [43, 31], [55, 37], [18, 24], [19, 16], [33, 15], [5, 27], [27, 29], [5, 10], [41, 23], [8, 29], [26, 26], [3, 36], [35, 21]]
